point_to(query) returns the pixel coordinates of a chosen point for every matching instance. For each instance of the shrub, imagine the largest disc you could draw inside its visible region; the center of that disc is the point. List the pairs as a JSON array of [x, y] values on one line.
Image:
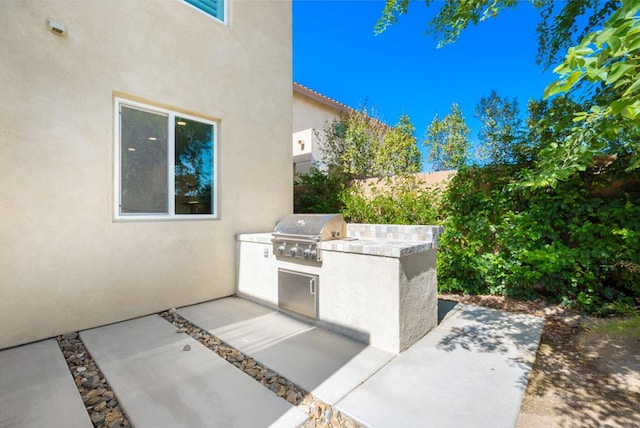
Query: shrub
[[401, 200], [317, 192], [576, 244], [568, 244]]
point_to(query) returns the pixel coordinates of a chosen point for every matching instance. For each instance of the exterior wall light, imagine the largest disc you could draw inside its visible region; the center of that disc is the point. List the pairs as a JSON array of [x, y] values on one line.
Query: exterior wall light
[[56, 27]]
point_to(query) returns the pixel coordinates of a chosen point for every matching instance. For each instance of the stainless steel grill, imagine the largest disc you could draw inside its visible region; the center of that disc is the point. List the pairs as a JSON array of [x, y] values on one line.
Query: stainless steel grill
[[298, 235]]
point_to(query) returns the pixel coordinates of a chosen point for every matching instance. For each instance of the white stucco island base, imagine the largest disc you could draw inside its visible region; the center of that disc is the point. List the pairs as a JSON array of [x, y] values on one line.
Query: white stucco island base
[[378, 286]]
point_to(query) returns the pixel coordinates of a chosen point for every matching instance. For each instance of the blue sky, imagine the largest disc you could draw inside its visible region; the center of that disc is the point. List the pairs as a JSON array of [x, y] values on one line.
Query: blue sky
[[336, 53]]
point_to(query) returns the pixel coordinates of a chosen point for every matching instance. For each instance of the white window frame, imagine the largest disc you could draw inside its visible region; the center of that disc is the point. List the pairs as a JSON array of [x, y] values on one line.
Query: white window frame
[[171, 215]]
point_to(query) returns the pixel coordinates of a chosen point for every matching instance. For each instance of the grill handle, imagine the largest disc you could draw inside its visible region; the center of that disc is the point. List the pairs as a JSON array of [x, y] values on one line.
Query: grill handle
[[292, 236], [312, 286]]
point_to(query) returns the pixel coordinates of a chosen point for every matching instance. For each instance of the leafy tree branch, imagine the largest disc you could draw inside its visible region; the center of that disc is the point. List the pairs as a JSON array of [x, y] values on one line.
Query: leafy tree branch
[[448, 140], [600, 70]]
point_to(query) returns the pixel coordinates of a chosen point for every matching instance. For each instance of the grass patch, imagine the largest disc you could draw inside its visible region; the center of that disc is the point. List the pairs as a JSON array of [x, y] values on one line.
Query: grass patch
[[628, 326]]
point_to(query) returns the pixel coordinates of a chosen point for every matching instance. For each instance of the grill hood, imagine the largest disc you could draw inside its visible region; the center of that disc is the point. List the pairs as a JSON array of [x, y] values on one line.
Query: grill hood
[[317, 227]]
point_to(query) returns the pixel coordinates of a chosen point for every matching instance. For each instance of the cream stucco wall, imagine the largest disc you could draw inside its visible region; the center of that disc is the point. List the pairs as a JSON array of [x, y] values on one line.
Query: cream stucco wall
[[65, 263], [310, 118], [310, 113], [306, 150]]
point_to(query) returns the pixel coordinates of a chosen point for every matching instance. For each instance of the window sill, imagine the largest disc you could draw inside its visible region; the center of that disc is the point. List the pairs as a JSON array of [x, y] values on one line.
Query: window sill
[[166, 218]]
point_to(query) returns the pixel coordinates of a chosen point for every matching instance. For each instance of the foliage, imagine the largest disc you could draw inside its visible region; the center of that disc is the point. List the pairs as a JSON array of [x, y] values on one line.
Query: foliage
[[628, 326], [561, 26], [499, 135], [397, 200], [564, 221], [567, 243], [398, 152], [548, 129], [624, 307], [350, 144], [448, 140], [359, 146], [317, 192], [453, 17], [549, 121], [600, 69], [610, 59], [577, 244]]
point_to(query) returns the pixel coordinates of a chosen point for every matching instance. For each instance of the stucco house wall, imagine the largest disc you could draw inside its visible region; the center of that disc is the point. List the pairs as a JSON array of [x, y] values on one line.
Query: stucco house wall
[[66, 262], [312, 109], [312, 113]]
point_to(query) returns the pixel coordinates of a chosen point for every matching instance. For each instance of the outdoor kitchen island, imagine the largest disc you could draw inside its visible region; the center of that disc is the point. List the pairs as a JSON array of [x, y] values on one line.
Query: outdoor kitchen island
[[377, 284]]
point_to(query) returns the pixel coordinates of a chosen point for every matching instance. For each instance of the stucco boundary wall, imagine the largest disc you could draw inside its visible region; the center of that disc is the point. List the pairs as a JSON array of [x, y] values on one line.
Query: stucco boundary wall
[[426, 180]]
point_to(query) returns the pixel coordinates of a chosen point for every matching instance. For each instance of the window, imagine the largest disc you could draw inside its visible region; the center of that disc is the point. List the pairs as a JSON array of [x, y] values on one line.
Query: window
[[214, 8], [165, 164]]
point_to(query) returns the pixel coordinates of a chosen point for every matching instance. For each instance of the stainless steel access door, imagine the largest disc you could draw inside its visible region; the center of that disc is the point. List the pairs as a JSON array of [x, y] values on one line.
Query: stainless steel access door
[[298, 292]]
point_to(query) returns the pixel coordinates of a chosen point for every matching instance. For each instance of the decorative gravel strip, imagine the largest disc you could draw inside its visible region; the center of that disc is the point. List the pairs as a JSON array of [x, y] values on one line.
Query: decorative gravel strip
[[320, 414], [97, 396]]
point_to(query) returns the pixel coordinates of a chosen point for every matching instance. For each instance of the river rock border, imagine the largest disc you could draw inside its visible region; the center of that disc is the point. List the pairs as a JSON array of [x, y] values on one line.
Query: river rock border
[[320, 414], [97, 396]]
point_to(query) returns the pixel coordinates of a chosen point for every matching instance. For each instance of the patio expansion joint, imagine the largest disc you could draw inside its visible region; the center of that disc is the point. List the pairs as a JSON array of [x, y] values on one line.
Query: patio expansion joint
[[99, 400], [318, 411]]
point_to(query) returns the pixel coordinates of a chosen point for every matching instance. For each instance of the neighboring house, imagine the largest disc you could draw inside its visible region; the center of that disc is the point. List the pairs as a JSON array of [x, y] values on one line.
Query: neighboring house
[[138, 138], [312, 113]]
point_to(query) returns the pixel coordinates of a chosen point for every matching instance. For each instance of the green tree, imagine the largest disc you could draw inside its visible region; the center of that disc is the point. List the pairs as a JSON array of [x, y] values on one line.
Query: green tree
[[609, 61], [351, 144], [600, 70], [500, 129], [561, 24], [448, 140], [359, 145], [398, 152], [550, 120]]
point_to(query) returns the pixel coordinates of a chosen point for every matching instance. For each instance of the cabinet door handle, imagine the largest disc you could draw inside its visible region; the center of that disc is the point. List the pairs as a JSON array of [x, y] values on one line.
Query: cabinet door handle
[[312, 286]]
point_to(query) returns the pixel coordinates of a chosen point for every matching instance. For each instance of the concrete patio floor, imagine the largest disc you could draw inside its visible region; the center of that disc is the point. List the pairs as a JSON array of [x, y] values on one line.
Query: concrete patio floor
[[37, 390], [471, 371]]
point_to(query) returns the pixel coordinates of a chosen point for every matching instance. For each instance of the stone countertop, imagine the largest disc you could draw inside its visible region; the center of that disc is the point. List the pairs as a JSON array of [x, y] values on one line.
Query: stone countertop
[[258, 238], [378, 247], [372, 247]]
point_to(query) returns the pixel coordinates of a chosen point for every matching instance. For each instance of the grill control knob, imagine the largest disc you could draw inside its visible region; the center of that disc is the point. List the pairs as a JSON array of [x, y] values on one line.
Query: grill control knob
[[293, 251], [307, 253], [313, 254], [281, 249]]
